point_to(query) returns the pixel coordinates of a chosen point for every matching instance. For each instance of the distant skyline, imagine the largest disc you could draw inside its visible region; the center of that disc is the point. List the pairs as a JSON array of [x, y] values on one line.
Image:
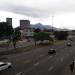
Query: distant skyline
[[40, 11]]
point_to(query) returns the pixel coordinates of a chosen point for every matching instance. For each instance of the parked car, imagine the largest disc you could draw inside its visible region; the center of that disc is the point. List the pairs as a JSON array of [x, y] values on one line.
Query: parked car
[[69, 44], [4, 65], [52, 51]]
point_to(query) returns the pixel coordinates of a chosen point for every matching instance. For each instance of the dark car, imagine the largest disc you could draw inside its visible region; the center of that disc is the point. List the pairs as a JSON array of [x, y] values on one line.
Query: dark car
[[52, 51]]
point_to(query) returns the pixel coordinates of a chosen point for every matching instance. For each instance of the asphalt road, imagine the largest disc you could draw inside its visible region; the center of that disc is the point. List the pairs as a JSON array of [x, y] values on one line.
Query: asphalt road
[[38, 62]]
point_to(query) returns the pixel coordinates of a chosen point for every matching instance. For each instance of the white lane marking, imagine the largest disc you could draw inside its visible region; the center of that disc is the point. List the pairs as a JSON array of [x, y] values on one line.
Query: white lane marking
[[42, 55], [50, 68], [62, 58], [19, 73], [36, 64], [49, 57], [27, 61]]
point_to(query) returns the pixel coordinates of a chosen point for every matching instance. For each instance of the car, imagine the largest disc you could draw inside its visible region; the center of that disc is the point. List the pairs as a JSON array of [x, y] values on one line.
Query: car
[[4, 65], [71, 39], [68, 44], [51, 51]]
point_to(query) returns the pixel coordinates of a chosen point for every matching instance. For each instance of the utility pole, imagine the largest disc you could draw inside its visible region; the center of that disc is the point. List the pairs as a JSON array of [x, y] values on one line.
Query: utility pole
[[52, 23], [62, 27]]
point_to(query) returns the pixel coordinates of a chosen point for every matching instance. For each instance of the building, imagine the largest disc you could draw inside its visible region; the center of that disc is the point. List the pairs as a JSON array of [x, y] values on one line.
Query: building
[[9, 21], [24, 24], [26, 31]]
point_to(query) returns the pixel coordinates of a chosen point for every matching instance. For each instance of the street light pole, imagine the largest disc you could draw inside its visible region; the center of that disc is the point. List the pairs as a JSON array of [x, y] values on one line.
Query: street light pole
[[52, 23]]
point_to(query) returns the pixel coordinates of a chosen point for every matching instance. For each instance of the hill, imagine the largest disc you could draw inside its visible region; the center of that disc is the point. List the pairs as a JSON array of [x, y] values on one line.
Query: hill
[[41, 26]]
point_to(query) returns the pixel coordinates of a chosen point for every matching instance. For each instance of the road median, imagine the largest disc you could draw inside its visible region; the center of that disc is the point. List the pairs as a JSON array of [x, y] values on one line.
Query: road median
[[27, 48]]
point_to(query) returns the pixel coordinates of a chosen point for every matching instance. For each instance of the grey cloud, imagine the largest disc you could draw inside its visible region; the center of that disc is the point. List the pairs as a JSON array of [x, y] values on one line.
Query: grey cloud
[[29, 11], [64, 6]]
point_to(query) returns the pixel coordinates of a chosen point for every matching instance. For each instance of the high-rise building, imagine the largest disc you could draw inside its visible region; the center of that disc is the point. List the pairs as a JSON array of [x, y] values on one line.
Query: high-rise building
[[9, 21], [24, 24]]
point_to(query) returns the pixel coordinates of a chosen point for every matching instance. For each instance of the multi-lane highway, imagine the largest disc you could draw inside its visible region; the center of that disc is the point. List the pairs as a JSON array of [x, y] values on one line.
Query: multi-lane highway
[[38, 62]]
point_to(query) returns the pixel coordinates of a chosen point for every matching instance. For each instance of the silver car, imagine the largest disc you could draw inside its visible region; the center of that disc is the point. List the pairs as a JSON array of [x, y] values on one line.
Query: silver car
[[4, 65]]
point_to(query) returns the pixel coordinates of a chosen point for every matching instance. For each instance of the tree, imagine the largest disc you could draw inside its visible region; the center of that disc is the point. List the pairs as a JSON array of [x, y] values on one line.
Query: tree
[[61, 35], [72, 30], [5, 30], [37, 30], [47, 30], [16, 36], [41, 36]]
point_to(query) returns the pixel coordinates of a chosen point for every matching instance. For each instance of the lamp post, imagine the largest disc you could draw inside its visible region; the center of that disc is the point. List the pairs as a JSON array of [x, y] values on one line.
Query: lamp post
[[52, 23]]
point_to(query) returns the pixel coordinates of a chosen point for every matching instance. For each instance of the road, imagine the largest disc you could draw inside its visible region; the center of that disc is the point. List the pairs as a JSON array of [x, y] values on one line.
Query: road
[[38, 62]]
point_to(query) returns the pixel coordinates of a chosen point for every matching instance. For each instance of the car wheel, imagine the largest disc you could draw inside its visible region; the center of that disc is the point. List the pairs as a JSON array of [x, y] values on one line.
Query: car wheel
[[9, 66]]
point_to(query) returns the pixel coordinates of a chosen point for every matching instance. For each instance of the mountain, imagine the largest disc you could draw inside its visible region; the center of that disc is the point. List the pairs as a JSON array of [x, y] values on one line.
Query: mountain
[[41, 26], [38, 25]]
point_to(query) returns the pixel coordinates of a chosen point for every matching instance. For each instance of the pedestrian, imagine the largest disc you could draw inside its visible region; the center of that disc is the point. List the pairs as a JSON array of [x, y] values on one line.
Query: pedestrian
[[72, 66]]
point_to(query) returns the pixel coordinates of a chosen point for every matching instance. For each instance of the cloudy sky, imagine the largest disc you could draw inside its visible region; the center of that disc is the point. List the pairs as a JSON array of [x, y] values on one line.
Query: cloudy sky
[[63, 12]]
